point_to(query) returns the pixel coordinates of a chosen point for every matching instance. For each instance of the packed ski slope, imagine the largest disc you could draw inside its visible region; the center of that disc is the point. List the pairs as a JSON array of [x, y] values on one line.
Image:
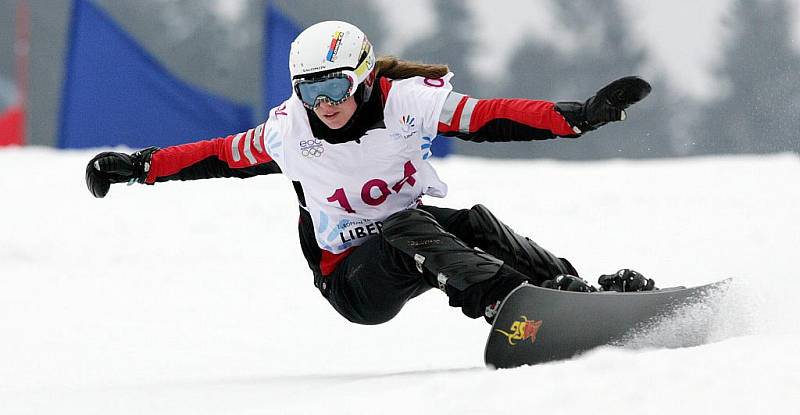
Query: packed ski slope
[[193, 297]]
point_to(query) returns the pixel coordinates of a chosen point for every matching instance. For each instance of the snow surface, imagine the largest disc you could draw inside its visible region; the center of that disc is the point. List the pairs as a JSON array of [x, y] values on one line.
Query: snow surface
[[193, 297]]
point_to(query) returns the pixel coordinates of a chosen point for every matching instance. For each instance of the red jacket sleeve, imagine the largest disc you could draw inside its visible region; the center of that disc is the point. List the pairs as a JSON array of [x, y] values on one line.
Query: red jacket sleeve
[[240, 155], [502, 119]]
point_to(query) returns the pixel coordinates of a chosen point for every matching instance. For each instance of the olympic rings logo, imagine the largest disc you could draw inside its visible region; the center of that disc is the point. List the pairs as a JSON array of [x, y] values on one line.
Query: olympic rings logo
[[312, 148], [313, 152]]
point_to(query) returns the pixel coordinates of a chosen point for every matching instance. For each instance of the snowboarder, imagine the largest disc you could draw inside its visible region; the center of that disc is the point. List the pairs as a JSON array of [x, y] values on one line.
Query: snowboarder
[[354, 138]]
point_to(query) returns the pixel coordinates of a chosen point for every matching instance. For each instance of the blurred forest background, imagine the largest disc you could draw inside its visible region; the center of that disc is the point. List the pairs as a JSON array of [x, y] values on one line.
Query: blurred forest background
[[217, 44]]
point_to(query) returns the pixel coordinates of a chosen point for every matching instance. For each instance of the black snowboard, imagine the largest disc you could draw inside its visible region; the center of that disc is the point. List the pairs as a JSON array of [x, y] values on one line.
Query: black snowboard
[[537, 325]]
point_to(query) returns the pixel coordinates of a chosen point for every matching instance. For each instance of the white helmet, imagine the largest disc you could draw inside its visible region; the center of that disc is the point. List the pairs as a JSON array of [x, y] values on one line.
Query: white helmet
[[332, 48]]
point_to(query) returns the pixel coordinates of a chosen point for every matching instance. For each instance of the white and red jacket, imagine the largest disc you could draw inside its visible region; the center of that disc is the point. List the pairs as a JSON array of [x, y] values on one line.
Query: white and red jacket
[[345, 190]]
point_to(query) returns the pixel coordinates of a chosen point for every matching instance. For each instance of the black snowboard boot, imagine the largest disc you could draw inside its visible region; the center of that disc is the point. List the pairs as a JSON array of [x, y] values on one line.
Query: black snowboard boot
[[508, 279], [626, 280], [494, 291]]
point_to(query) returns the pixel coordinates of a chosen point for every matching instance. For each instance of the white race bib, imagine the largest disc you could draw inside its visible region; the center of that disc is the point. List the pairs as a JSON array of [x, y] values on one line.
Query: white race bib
[[350, 188]]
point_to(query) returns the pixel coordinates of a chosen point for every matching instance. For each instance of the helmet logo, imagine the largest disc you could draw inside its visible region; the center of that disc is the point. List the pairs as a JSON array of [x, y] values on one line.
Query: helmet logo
[[366, 61], [333, 49]]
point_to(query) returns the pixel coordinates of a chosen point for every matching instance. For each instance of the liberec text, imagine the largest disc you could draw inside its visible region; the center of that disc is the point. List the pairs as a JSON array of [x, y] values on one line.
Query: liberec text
[[361, 232]]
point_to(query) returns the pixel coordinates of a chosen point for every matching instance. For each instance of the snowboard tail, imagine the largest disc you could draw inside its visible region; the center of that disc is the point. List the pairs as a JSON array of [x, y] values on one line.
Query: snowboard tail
[[536, 325]]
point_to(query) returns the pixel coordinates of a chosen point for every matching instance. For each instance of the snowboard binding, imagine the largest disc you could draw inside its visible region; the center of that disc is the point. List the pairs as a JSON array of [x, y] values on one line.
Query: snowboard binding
[[626, 280]]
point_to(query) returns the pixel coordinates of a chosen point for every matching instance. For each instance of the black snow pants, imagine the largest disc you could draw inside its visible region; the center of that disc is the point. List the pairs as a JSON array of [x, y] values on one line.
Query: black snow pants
[[468, 253]]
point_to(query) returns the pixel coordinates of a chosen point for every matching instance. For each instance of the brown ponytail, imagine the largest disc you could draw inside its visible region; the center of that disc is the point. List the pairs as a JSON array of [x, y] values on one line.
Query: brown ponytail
[[394, 68]]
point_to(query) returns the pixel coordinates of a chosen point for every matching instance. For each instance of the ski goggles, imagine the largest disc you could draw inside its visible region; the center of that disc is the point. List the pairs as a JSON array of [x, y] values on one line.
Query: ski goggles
[[333, 88]]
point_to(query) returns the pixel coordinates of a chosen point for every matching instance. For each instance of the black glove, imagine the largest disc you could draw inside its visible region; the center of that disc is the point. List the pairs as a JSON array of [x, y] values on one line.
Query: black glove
[[607, 105], [566, 282], [110, 167], [626, 280]]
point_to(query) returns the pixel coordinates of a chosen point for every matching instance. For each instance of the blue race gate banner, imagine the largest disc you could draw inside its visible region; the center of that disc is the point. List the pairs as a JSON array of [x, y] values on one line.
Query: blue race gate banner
[[278, 36], [115, 93]]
